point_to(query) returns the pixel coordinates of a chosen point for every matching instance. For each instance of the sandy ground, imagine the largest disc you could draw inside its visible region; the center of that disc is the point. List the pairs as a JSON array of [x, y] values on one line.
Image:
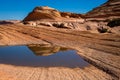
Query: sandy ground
[[101, 50]]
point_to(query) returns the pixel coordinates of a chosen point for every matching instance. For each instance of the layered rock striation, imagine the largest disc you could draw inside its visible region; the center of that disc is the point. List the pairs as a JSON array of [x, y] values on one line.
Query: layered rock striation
[[95, 20], [51, 17], [108, 10], [45, 12], [42, 13]]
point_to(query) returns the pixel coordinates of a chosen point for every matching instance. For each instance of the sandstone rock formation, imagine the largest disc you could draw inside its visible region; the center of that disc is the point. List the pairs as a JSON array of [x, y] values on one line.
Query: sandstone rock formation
[[70, 15], [45, 12], [109, 10], [50, 17], [42, 13], [94, 21], [101, 50]]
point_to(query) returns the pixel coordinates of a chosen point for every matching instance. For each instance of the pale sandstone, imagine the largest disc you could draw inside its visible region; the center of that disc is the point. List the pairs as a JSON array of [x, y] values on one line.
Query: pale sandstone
[[101, 50]]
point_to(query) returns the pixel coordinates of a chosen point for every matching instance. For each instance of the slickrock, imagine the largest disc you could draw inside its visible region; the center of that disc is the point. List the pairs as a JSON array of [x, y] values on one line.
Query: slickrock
[[101, 50], [109, 10], [51, 73], [45, 25]]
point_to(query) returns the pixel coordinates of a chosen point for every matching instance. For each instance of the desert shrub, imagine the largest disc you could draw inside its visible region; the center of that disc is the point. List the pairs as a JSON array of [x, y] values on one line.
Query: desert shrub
[[62, 25], [88, 27], [102, 30], [56, 25], [114, 22]]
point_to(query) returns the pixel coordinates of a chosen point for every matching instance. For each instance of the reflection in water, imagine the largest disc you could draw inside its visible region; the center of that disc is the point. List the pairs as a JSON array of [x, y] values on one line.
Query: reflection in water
[[45, 49], [52, 56]]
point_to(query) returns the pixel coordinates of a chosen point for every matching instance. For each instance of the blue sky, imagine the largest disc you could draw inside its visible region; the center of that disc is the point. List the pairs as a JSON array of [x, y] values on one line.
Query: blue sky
[[18, 9]]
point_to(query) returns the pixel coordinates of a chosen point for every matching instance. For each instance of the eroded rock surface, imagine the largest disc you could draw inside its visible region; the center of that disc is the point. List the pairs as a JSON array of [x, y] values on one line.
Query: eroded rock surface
[[51, 17], [101, 50], [68, 30], [109, 10], [42, 13]]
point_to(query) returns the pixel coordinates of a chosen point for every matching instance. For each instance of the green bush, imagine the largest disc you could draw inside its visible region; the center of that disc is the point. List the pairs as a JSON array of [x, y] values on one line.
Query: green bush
[[113, 23]]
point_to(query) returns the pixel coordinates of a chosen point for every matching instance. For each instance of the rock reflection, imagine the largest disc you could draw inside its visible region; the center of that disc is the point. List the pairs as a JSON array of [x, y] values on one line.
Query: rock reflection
[[41, 56], [46, 49]]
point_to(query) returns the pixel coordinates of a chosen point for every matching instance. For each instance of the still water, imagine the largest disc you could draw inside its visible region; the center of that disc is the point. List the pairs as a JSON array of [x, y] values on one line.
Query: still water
[[41, 56]]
